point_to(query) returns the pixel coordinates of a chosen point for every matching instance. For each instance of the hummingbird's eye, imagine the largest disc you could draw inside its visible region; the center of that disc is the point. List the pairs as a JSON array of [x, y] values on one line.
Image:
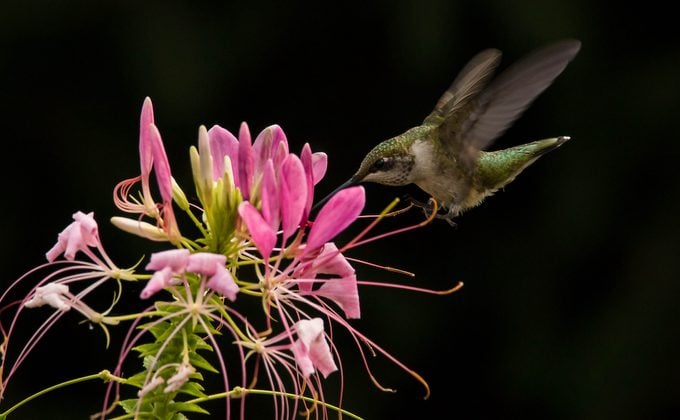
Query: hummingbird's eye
[[381, 164]]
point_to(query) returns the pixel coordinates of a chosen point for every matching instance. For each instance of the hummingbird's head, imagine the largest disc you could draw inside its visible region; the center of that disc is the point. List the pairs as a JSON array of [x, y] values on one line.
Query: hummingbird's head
[[389, 163]]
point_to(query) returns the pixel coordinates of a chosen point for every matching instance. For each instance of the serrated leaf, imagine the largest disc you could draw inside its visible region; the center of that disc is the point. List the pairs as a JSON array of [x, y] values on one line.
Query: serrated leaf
[[193, 389], [137, 379], [198, 361], [202, 345], [128, 405], [198, 343], [188, 407], [154, 327], [169, 307], [147, 349]]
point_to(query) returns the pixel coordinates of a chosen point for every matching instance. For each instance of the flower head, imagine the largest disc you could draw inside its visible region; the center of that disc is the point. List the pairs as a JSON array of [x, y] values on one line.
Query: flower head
[[255, 236]]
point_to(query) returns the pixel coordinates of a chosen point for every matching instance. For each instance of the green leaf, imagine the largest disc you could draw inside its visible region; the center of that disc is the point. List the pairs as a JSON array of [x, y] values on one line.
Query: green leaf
[[148, 349], [198, 361], [137, 379], [192, 388], [130, 407], [190, 407]]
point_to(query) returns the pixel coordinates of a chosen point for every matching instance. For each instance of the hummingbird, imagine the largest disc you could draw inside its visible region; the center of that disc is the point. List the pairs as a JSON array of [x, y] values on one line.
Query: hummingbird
[[445, 156]]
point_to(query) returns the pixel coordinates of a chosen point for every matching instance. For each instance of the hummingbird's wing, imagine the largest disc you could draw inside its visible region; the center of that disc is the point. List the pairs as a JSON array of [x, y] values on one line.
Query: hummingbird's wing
[[503, 101], [469, 82]]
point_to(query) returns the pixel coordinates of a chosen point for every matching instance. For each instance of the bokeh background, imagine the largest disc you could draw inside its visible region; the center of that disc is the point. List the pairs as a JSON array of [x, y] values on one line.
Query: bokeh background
[[572, 274]]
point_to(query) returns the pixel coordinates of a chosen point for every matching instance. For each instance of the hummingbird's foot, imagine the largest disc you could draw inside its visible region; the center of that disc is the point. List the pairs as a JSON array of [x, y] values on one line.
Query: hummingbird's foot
[[432, 209], [416, 203], [448, 217]]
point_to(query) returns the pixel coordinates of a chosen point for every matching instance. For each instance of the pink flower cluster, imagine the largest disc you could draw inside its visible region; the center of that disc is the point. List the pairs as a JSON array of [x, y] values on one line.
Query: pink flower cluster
[[171, 265], [255, 212]]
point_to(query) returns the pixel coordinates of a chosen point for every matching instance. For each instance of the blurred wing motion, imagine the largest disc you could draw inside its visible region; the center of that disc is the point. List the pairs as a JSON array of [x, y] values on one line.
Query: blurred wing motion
[[471, 117]]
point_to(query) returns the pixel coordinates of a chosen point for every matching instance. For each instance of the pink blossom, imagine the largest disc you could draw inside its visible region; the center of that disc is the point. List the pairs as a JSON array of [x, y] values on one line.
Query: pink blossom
[[78, 236], [246, 161], [263, 236], [53, 294], [311, 348], [205, 263], [338, 213], [267, 144], [223, 283], [344, 292], [271, 202], [176, 259], [223, 144], [343, 289], [167, 265], [152, 156], [146, 120], [293, 194], [319, 166], [267, 174], [213, 266]]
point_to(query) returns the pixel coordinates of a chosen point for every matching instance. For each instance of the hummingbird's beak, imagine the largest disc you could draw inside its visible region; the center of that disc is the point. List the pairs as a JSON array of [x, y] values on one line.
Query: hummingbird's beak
[[350, 182]]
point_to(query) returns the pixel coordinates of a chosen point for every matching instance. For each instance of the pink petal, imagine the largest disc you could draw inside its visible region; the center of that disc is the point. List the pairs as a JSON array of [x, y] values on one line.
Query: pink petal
[[88, 227], [311, 336], [306, 159], [158, 281], [331, 261], [77, 236], [293, 194], [319, 165], [205, 263], [263, 147], [279, 137], [321, 356], [57, 249], [263, 236], [309, 329], [345, 293], [328, 261], [176, 259], [145, 153], [160, 164], [338, 213], [245, 161], [223, 283], [73, 238], [270, 196], [281, 154], [302, 358], [267, 143], [53, 294], [223, 143]]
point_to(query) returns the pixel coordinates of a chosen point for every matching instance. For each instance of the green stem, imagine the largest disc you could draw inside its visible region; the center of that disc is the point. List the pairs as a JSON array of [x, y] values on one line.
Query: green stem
[[130, 317], [197, 222], [104, 375], [237, 392]]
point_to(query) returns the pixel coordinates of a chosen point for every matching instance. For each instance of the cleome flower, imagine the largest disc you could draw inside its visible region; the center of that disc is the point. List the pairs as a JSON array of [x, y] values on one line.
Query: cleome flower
[[255, 237]]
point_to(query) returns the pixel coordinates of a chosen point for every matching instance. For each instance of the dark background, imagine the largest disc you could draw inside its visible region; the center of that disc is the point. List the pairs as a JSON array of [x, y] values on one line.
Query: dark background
[[572, 274]]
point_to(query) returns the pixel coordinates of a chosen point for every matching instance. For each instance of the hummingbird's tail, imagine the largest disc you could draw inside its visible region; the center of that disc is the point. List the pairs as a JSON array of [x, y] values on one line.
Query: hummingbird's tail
[[498, 168]]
